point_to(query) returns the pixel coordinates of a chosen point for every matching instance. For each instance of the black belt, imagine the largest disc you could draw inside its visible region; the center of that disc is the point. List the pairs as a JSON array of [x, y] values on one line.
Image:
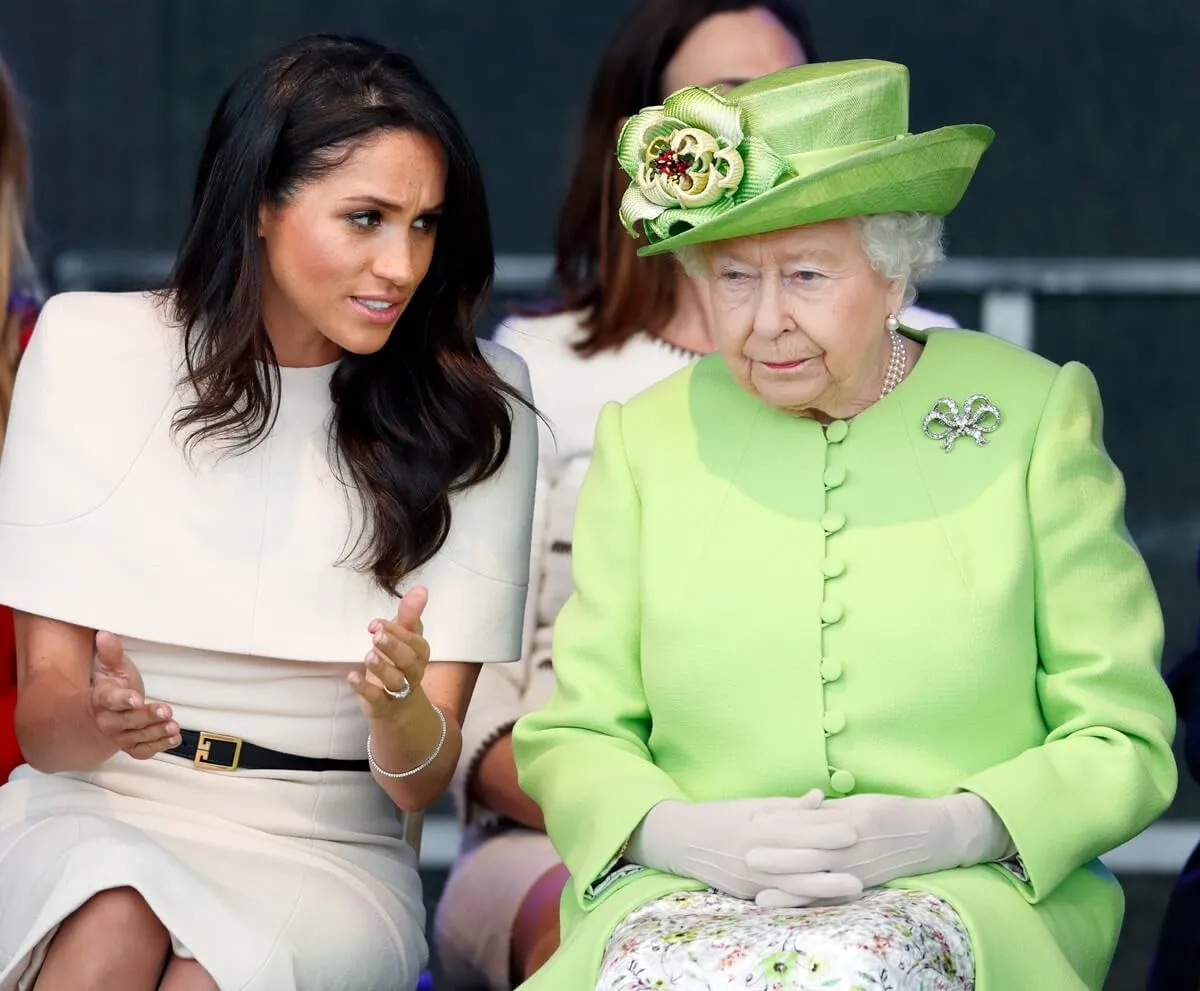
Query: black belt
[[218, 752]]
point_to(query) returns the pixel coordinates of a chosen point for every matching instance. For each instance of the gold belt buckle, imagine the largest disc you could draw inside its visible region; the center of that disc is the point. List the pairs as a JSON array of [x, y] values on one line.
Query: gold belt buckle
[[204, 759]]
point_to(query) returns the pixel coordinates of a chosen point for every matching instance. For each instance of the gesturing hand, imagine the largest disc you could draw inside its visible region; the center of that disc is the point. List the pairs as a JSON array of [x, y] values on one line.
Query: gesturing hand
[[710, 842], [395, 665], [119, 707], [896, 837]]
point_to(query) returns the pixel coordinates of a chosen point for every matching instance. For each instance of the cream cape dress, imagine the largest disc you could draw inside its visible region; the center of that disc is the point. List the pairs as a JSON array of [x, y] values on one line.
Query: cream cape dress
[[221, 575]]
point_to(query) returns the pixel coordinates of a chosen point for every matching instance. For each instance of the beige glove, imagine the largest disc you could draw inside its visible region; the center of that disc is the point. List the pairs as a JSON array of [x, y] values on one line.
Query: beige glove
[[897, 837], [709, 841]]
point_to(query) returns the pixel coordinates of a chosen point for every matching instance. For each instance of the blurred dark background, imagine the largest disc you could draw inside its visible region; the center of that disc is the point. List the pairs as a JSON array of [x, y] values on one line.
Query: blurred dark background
[[1094, 103]]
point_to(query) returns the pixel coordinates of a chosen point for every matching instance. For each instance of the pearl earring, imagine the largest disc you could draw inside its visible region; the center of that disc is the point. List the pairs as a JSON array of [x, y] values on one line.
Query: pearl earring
[[892, 323]]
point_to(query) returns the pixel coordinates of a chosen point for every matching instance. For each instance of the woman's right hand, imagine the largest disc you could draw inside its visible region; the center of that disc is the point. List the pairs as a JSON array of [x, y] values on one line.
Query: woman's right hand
[[708, 842], [118, 705]]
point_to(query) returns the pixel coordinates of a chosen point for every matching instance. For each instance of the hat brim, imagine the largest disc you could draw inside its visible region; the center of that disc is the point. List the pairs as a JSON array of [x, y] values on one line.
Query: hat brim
[[918, 173]]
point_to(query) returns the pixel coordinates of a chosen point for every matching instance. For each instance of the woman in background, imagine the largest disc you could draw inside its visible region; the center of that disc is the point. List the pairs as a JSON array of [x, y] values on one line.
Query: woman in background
[[19, 300], [624, 323]]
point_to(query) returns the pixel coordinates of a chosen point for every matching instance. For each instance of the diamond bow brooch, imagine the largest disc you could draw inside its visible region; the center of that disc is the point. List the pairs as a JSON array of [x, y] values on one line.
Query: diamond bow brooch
[[947, 423]]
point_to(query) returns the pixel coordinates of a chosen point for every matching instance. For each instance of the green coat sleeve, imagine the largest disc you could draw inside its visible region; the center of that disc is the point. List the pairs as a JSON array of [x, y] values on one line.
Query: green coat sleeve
[[584, 756], [1105, 770]]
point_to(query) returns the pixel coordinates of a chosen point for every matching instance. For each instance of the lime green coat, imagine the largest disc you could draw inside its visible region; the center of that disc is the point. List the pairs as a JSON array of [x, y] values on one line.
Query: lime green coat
[[761, 608]]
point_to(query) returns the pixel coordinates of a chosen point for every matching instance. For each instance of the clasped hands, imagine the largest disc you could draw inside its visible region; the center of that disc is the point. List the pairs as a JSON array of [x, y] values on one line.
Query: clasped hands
[[793, 852]]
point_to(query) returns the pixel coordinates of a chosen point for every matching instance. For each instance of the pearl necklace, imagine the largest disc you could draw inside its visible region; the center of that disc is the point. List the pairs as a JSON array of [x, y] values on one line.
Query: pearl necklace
[[895, 371]]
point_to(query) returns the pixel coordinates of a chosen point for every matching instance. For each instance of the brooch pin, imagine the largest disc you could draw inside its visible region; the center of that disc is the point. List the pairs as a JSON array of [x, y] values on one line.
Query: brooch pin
[[947, 423]]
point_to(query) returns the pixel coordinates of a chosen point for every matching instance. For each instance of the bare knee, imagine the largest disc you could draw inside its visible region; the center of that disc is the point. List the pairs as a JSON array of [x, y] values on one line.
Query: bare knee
[[121, 911], [113, 937]]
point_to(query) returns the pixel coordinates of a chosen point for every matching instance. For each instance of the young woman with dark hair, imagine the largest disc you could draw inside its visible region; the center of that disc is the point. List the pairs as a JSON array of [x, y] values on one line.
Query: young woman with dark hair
[[268, 522]]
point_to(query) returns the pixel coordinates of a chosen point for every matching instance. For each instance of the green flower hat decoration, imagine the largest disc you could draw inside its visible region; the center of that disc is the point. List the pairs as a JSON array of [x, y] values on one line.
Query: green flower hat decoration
[[689, 160], [800, 146]]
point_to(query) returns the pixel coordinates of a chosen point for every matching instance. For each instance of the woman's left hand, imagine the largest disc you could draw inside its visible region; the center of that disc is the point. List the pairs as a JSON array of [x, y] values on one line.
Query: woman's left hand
[[897, 837], [393, 669]]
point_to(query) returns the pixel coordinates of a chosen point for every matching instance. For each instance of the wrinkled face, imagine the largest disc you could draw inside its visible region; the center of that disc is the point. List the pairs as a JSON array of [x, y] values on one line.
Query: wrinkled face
[[345, 253], [731, 48], [799, 317]]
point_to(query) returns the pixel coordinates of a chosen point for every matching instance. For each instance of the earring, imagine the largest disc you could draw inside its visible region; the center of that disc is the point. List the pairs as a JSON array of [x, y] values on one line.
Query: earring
[[892, 323]]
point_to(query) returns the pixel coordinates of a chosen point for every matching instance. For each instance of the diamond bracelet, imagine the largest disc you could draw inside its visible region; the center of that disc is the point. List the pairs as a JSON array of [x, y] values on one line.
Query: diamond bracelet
[[437, 749]]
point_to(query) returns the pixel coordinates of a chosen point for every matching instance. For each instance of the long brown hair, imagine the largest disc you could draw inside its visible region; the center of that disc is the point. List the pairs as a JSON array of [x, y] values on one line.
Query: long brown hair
[[425, 416], [596, 264], [14, 195]]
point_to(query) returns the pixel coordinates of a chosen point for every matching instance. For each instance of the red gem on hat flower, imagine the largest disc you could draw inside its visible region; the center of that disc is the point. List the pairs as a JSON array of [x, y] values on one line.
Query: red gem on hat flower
[[671, 164]]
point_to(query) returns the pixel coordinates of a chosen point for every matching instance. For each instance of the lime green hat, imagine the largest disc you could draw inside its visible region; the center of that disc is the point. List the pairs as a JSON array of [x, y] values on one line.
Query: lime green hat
[[799, 146]]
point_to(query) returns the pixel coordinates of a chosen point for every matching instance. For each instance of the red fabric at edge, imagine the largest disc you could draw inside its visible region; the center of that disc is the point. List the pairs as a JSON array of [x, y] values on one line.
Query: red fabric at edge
[[10, 753]]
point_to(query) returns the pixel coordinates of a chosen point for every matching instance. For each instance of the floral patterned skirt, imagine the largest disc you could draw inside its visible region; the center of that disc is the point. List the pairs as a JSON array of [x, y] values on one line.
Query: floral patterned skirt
[[889, 940]]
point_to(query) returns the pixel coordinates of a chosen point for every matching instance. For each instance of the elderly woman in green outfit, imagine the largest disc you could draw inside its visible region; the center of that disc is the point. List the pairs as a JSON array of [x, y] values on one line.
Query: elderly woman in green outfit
[[861, 671]]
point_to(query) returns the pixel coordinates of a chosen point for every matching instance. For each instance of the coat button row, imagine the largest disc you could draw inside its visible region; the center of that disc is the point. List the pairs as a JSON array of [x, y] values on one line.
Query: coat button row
[[842, 782]]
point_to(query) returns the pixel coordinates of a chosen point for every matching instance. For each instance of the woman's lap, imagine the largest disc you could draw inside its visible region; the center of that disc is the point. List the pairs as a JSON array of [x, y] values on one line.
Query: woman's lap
[[253, 923], [895, 939]]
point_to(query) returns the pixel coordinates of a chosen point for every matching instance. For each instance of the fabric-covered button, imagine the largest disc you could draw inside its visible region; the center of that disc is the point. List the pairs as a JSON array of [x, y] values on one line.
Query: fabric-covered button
[[831, 669], [833, 567], [834, 476], [834, 722], [831, 612], [836, 432], [842, 782], [833, 521]]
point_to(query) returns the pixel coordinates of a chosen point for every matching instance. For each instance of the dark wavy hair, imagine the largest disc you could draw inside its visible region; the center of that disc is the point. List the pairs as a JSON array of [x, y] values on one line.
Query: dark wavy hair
[[423, 417], [596, 265]]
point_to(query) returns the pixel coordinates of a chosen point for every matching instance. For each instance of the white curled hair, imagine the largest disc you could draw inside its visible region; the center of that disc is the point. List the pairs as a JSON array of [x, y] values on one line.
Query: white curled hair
[[903, 247]]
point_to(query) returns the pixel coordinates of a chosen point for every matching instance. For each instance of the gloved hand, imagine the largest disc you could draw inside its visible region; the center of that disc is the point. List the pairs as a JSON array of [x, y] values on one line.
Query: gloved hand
[[709, 841], [897, 837]]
